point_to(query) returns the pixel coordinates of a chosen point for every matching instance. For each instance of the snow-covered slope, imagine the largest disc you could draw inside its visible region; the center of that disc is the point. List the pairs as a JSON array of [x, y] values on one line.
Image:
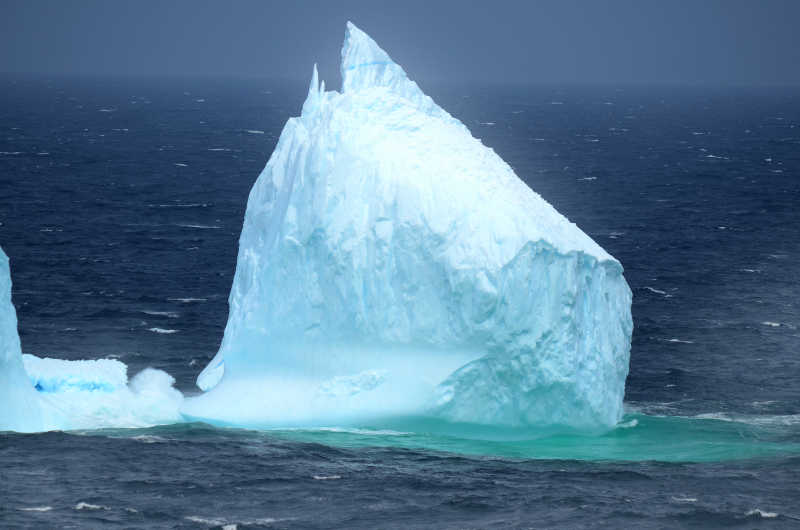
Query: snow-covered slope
[[390, 263]]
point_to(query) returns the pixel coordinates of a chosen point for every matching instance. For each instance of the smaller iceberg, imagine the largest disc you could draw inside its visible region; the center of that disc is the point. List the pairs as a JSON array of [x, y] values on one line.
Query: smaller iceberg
[[43, 394]]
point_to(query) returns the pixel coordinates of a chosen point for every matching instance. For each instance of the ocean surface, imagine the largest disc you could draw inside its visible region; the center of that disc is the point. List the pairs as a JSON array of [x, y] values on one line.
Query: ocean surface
[[121, 203]]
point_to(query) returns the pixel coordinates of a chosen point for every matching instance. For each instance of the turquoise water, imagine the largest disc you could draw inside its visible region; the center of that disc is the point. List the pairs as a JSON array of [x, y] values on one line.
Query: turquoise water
[[639, 437]]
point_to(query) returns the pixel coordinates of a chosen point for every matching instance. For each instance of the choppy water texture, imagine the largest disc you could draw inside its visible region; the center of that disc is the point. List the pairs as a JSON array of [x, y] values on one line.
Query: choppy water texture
[[121, 204]]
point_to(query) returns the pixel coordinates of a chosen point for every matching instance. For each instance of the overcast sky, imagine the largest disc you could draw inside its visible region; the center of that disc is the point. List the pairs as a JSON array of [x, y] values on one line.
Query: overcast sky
[[616, 41]]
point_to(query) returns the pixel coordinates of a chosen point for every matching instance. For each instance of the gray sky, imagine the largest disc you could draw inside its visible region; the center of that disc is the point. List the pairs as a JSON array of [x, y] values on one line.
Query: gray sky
[[617, 41]]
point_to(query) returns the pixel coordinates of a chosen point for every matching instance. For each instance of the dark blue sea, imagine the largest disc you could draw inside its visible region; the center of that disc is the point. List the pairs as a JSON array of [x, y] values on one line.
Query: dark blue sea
[[121, 203]]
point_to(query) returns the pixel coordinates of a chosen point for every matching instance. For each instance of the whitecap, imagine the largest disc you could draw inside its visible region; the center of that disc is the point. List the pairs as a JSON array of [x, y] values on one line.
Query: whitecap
[[149, 439], [759, 420], [179, 205], [763, 403], [187, 225], [762, 514], [254, 131], [163, 331], [684, 499], [327, 477], [93, 507], [187, 300], [365, 432], [204, 520], [168, 314], [37, 509]]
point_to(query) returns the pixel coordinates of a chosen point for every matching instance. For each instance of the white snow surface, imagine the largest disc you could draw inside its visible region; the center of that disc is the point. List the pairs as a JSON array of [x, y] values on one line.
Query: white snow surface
[[391, 264], [55, 375]]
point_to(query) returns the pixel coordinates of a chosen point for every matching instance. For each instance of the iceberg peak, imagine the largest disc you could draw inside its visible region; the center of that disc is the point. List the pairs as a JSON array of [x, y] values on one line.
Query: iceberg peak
[[315, 91], [365, 64]]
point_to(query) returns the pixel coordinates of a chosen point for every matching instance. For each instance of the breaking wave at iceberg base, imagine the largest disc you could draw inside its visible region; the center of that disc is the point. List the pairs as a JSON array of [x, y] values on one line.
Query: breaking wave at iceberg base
[[96, 394], [96, 398]]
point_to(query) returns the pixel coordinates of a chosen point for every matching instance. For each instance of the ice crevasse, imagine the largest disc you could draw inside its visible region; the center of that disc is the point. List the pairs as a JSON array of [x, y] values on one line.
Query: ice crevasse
[[391, 264]]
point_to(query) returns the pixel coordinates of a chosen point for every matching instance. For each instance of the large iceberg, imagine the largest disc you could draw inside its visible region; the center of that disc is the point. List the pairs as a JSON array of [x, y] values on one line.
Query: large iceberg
[[390, 264], [41, 394]]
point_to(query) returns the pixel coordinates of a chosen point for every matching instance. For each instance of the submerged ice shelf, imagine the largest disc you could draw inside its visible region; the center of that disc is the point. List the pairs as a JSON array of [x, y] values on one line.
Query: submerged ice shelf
[[391, 264]]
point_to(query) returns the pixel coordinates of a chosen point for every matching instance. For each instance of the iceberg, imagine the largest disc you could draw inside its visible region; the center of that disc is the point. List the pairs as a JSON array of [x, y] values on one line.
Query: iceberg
[[43, 394], [391, 265]]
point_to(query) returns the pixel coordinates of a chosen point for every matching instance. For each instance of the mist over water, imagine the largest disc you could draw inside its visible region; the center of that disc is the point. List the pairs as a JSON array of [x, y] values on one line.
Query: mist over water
[[121, 206]]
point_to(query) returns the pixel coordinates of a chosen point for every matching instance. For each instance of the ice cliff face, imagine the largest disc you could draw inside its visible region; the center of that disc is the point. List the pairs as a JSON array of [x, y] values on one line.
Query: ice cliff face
[[390, 263], [19, 406], [42, 394]]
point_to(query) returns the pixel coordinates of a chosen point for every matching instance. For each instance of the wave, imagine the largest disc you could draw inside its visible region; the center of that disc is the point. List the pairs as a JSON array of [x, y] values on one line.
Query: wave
[[187, 300], [189, 225], [168, 314]]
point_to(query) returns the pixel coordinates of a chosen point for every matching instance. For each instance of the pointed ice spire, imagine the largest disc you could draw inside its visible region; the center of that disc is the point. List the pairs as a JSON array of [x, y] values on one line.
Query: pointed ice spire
[[313, 86], [365, 64], [314, 93]]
